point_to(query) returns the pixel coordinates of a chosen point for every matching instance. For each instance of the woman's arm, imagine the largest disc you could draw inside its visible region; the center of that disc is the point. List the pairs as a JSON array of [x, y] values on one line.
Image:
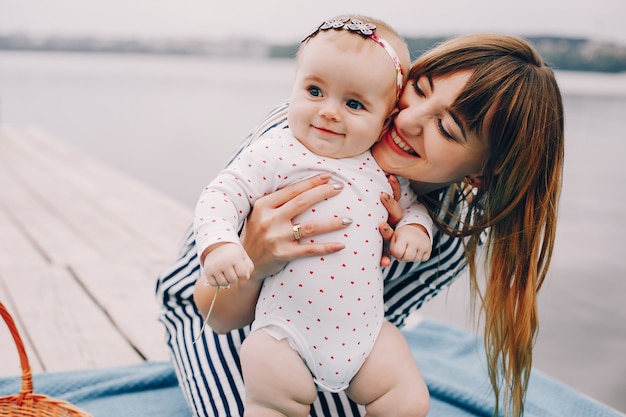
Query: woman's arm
[[268, 239]]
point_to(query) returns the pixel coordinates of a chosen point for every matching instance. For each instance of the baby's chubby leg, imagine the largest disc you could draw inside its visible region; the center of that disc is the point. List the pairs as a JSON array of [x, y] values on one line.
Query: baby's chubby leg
[[389, 383], [277, 381]]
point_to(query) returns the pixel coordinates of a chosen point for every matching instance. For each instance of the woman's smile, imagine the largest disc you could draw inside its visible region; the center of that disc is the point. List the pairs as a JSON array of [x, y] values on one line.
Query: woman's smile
[[395, 137]]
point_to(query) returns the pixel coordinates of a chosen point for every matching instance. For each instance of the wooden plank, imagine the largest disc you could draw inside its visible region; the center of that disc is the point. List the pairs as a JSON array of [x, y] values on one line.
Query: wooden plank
[[16, 248], [127, 293], [81, 245], [79, 213], [9, 359], [152, 217], [58, 242], [67, 328]]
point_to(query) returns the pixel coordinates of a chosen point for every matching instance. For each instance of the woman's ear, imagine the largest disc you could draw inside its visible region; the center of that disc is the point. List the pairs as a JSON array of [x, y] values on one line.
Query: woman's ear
[[474, 180]]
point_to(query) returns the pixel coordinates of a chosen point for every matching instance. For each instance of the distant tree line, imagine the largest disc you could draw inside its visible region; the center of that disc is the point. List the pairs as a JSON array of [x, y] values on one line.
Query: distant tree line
[[581, 54], [569, 54], [574, 54]]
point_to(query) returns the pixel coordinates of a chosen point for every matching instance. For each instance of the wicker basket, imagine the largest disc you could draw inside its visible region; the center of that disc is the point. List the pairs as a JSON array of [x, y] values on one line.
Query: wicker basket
[[26, 403]]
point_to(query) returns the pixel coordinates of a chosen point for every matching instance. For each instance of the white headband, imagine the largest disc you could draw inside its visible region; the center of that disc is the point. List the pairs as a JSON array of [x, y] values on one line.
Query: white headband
[[366, 30]]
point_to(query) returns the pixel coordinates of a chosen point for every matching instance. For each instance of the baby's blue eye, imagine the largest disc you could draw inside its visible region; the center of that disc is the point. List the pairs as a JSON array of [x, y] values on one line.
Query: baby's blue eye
[[315, 92], [355, 105]]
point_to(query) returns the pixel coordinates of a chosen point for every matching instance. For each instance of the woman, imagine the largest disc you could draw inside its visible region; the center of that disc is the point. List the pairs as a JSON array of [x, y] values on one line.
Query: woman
[[481, 127]]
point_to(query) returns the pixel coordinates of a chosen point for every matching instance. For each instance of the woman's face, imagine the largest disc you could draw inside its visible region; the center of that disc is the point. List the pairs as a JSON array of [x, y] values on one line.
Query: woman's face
[[429, 143]]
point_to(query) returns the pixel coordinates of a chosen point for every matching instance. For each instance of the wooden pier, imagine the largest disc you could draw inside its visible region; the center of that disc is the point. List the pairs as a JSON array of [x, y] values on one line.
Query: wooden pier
[[81, 245]]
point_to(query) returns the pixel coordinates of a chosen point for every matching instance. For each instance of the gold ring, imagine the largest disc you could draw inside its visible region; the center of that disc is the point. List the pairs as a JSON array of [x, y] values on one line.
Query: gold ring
[[297, 231]]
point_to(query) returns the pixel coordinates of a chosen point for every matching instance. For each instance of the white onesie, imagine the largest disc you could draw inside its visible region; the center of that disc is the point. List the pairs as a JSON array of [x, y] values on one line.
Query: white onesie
[[330, 308]]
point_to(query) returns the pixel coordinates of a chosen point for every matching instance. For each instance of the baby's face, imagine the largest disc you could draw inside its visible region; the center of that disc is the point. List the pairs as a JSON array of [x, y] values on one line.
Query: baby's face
[[342, 95]]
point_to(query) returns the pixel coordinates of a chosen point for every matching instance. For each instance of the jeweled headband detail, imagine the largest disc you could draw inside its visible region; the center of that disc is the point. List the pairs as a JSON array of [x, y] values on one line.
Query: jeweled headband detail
[[367, 30]]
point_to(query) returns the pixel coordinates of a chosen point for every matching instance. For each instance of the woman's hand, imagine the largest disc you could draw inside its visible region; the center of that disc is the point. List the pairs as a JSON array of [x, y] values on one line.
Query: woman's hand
[[395, 214], [268, 235], [268, 238]]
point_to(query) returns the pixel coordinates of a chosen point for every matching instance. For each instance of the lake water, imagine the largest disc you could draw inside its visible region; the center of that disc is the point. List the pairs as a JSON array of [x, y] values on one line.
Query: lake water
[[172, 121]]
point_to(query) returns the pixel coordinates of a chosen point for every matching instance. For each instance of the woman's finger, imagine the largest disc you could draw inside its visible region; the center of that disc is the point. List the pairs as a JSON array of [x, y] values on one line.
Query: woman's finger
[[386, 231], [393, 207], [308, 198], [280, 197], [319, 227], [395, 186], [316, 249]]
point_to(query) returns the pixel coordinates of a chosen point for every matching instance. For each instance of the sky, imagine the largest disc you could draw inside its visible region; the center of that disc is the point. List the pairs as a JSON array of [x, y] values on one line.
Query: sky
[[288, 20]]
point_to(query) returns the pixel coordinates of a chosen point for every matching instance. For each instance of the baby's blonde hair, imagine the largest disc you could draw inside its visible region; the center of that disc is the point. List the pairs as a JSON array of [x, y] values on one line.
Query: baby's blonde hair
[[383, 30]]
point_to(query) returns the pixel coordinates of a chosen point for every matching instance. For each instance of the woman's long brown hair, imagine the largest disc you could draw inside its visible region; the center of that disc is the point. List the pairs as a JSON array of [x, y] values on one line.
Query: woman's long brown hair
[[513, 99]]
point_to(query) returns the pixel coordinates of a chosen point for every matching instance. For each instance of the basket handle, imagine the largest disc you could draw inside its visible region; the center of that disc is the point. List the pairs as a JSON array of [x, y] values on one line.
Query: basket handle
[[27, 377]]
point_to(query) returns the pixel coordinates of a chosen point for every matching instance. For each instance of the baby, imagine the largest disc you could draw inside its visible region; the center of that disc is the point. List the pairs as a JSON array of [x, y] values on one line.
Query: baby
[[319, 323]]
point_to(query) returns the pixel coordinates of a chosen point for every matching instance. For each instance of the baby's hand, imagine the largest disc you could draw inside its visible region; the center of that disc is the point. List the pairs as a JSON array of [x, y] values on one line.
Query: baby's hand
[[410, 243], [226, 264]]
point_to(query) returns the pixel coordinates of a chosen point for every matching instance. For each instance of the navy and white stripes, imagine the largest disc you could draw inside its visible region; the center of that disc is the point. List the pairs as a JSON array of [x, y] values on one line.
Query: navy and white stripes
[[209, 371]]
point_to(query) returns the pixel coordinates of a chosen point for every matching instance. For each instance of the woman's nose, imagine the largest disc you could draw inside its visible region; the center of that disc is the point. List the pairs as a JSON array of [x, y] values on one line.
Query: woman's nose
[[411, 121]]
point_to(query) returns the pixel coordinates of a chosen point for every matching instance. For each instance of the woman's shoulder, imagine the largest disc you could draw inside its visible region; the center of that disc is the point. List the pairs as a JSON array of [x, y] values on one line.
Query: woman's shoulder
[[275, 119]]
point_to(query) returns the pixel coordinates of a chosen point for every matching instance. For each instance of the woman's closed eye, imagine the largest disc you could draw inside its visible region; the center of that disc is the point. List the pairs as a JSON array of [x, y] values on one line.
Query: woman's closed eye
[[440, 126], [443, 131], [417, 88]]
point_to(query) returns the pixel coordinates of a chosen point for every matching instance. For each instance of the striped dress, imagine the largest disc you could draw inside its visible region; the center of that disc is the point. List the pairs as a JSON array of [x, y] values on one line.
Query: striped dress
[[209, 371]]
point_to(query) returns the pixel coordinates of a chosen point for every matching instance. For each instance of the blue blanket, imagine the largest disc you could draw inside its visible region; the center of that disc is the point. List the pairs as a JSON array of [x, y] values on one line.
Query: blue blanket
[[450, 359]]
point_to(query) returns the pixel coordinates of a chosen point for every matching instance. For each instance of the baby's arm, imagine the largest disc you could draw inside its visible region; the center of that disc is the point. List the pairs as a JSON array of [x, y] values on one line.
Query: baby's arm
[[412, 240], [225, 264], [411, 243], [221, 210]]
